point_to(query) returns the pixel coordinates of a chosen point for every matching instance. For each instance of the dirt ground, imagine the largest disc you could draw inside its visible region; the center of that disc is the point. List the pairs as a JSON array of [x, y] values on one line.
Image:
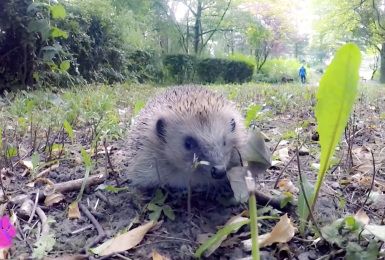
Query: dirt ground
[[343, 193]]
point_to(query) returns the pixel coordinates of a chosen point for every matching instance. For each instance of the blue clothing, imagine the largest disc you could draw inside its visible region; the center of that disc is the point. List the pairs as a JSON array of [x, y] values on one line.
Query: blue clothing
[[302, 74]]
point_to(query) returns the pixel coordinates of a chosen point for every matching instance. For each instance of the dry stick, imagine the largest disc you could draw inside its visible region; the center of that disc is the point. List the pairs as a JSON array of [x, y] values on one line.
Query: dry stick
[[34, 207], [2, 171], [108, 159], [44, 221], [284, 168], [75, 185], [305, 195], [276, 146], [101, 233], [282, 171], [373, 178]]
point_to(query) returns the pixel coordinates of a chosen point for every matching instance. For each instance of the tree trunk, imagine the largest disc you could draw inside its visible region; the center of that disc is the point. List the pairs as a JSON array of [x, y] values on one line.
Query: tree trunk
[[382, 67], [197, 26]]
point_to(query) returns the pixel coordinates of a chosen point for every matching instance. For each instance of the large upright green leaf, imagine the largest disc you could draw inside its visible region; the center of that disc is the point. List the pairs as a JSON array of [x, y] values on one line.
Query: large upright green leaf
[[335, 99]]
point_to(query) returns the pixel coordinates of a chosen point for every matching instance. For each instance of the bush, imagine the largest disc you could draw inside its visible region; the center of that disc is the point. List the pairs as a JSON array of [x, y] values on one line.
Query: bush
[[279, 70], [145, 66], [180, 67], [211, 70]]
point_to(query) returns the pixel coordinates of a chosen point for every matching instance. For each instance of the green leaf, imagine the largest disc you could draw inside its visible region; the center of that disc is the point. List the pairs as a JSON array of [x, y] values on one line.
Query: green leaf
[[138, 106], [41, 26], [65, 65], [351, 224], [86, 158], [11, 152], [43, 246], [251, 114], [56, 33], [110, 188], [355, 252], [35, 159], [225, 231], [335, 99], [68, 128], [167, 210], [153, 207], [159, 198], [154, 216], [303, 210], [58, 11], [331, 232]]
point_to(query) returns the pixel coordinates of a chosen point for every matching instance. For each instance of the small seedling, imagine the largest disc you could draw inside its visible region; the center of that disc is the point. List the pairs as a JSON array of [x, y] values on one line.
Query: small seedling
[[157, 206]]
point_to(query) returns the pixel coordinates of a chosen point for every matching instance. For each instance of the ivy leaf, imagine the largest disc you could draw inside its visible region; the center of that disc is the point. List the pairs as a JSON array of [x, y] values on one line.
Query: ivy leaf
[[58, 11], [65, 65], [167, 210], [41, 26], [56, 33], [335, 99]]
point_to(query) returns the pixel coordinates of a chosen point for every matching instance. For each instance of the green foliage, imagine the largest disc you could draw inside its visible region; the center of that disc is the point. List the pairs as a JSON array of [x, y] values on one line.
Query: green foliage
[[242, 57], [180, 67], [43, 246], [223, 232], [277, 69], [211, 70], [335, 99], [157, 206], [251, 114]]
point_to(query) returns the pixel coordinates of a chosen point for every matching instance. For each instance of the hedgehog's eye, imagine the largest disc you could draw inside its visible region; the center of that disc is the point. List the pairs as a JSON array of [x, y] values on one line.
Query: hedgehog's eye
[[224, 142], [190, 143], [232, 123]]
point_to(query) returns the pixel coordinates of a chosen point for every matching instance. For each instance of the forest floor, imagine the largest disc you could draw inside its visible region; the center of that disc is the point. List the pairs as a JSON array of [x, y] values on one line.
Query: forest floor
[[41, 155]]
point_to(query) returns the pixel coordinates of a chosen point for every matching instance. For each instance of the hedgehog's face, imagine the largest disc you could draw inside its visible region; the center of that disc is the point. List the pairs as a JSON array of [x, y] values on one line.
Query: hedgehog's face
[[202, 147]]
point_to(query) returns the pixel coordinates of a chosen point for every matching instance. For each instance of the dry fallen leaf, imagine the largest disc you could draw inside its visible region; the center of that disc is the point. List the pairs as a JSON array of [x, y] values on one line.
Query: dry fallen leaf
[[282, 232], [27, 163], [53, 199], [236, 176], [287, 185], [73, 210], [362, 217], [283, 154], [123, 241], [157, 256]]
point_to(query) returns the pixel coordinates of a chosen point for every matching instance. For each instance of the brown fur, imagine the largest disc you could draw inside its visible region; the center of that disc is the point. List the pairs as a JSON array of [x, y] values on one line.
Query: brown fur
[[157, 142]]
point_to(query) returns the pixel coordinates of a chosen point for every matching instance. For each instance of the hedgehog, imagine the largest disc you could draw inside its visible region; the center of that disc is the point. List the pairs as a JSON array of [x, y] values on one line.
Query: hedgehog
[[187, 136]]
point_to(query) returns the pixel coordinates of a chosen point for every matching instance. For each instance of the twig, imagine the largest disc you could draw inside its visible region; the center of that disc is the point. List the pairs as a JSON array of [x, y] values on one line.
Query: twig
[[82, 229], [75, 185], [276, 146], [44, 223], [101, 233], [46, 171], [3, 171], [373, 178], [34, 207], [282, 171]]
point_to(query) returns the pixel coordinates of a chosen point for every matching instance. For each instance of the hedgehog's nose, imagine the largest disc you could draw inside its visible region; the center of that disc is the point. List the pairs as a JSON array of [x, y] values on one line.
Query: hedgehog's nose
[[218, 172]]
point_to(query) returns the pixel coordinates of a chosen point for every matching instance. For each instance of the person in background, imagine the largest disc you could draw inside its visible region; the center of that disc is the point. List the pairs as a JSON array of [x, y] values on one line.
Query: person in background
[[302, 74]]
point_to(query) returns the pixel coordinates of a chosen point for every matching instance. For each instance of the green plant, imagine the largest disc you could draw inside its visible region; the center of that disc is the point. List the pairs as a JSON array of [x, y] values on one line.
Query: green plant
[[180, 67], [335, 99], [157, 206]]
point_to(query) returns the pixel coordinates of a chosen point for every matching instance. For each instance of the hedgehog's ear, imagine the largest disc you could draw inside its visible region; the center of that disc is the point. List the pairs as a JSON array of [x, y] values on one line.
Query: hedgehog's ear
[[161, 129]]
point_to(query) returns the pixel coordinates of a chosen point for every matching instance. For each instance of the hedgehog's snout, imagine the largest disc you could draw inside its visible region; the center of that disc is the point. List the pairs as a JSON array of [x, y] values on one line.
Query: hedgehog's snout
[[218, 172]]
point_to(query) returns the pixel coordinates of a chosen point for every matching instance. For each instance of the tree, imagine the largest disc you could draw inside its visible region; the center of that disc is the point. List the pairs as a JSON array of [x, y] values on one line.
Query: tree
[[360, 21], [202, 20]]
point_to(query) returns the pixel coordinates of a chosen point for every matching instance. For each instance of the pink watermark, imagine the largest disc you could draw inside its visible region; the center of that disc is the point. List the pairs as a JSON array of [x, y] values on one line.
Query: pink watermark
[[7, 232]]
